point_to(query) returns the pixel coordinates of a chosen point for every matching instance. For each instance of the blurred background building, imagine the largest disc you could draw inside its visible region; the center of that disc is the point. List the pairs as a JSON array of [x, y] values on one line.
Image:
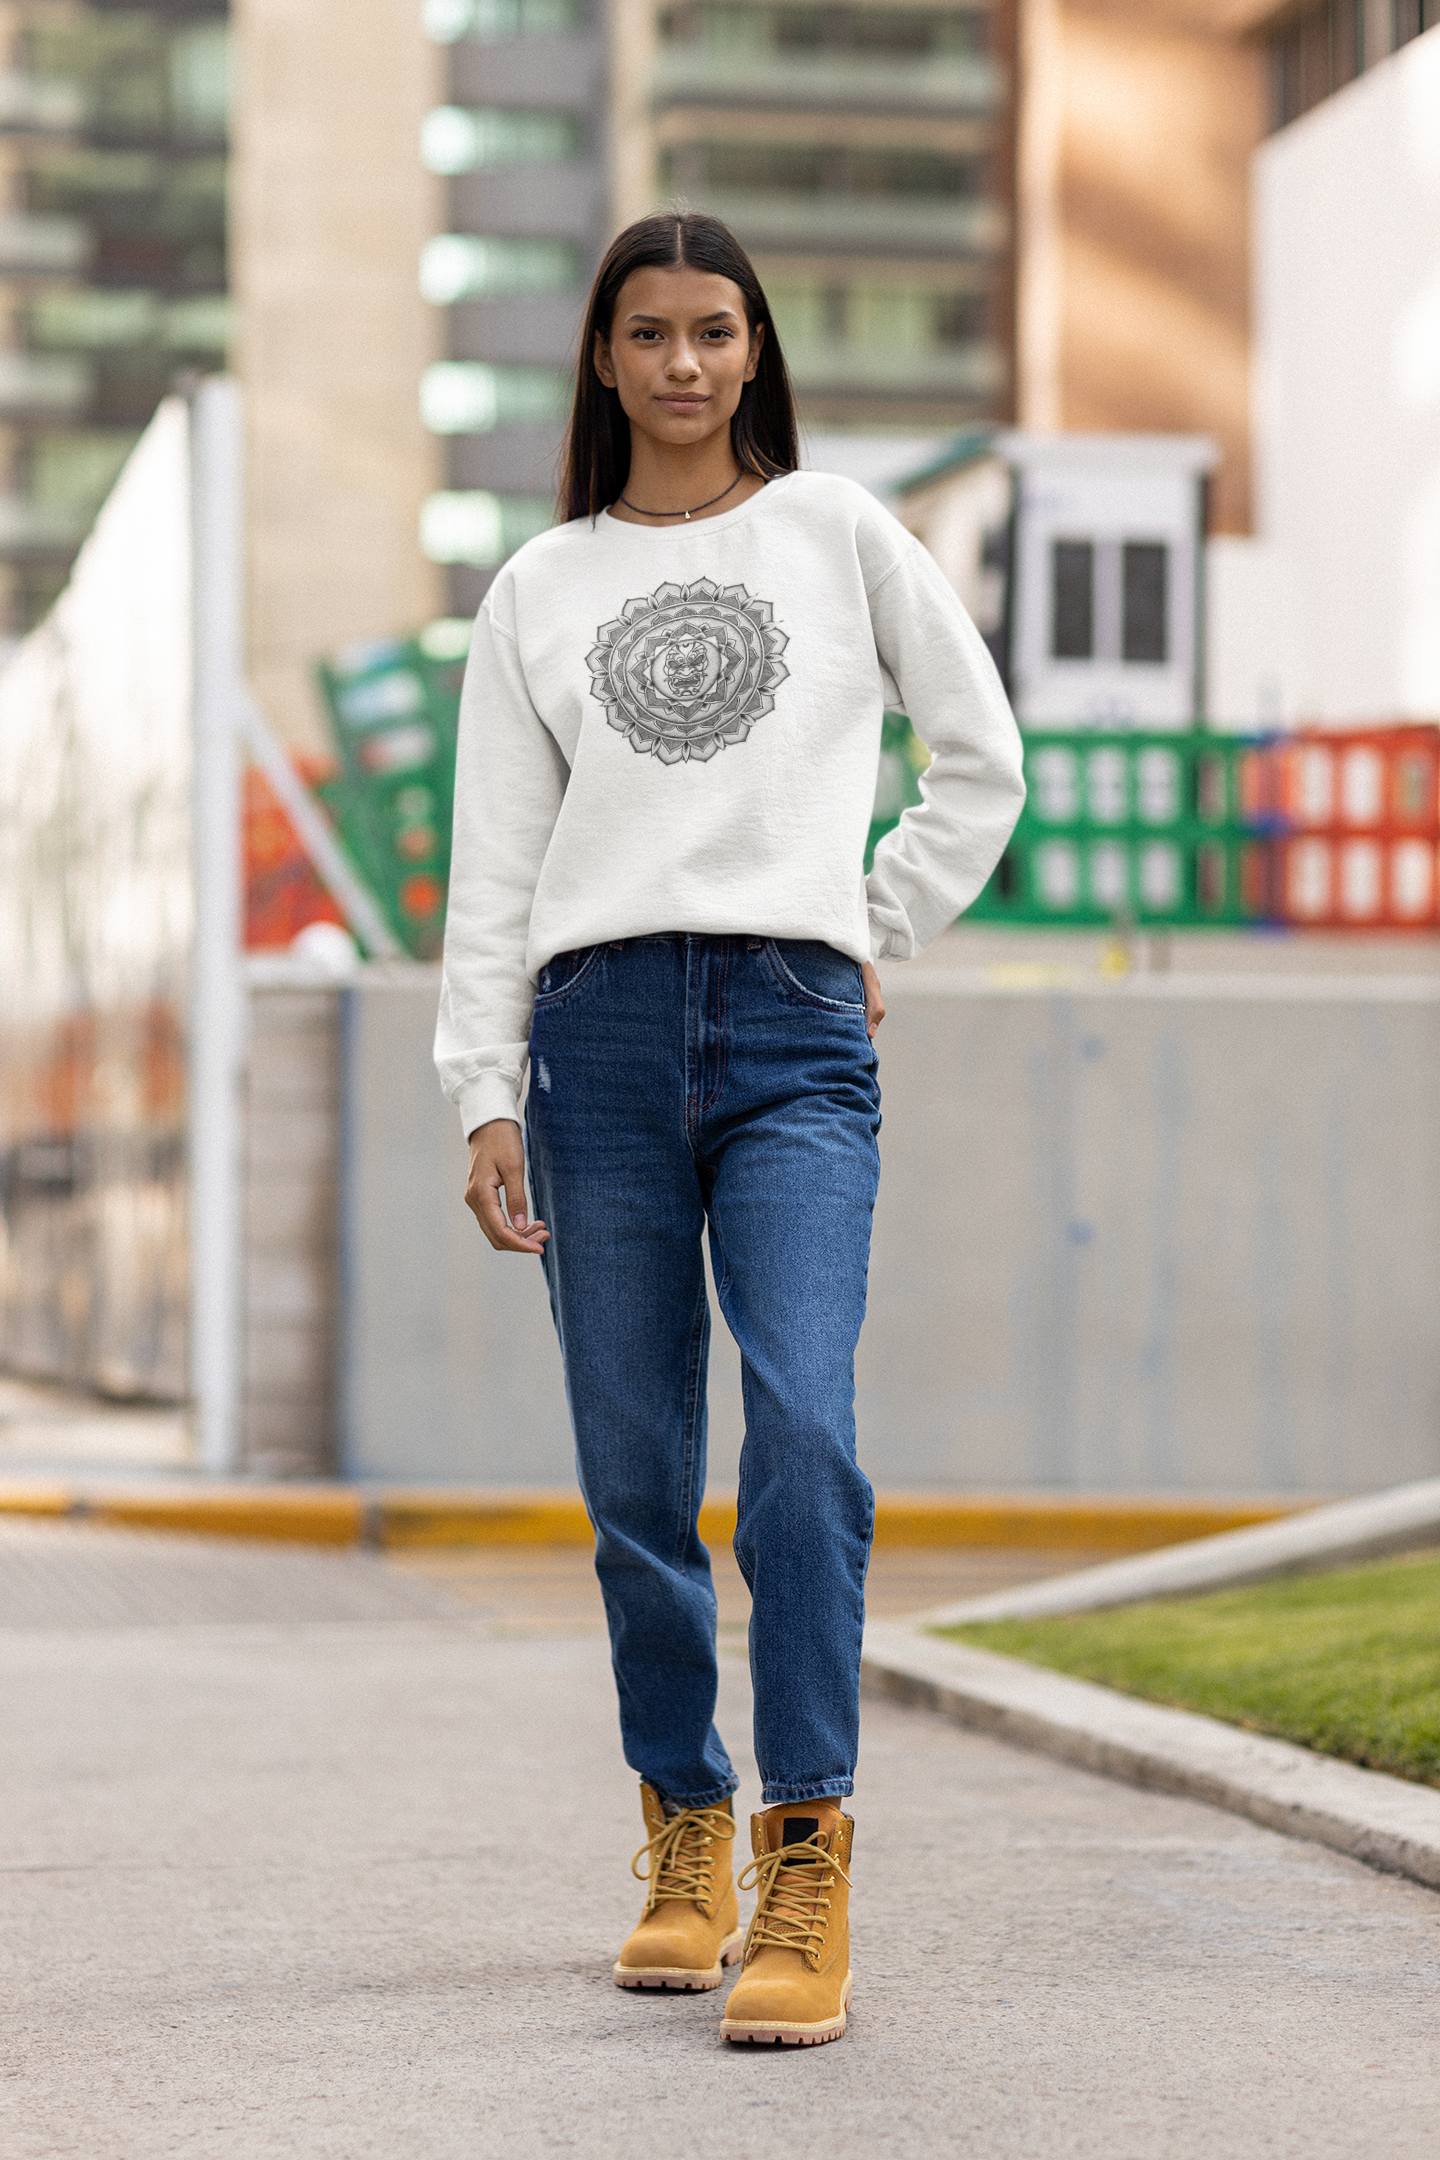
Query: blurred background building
[[865, 156], [520, 147], [1128, 307], [385, 214], [331, 205], [114, 264]]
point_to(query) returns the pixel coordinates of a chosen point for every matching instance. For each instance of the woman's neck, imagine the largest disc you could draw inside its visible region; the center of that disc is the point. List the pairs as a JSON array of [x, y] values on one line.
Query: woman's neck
[[680, 485]]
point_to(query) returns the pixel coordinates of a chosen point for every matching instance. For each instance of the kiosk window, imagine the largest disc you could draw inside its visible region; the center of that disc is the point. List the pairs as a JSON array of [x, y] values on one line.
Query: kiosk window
[[1144, 576], [1072, 600]]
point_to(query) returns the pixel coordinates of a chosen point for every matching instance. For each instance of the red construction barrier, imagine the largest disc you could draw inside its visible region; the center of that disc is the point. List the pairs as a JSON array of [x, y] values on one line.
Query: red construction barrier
[[1355, 883], [1355, 815], [283, 896]]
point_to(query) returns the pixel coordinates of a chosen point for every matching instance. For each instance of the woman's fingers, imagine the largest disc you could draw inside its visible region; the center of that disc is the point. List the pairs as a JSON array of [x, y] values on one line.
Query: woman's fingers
[[874, 1002], [497, 1166]]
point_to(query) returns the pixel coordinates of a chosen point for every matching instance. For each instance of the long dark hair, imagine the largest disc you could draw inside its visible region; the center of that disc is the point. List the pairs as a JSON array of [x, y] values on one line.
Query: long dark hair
[[763, 432]]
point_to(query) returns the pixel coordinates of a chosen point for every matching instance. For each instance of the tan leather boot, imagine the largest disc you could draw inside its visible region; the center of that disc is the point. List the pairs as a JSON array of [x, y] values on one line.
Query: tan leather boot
[[794, 1990], [690, 1928]]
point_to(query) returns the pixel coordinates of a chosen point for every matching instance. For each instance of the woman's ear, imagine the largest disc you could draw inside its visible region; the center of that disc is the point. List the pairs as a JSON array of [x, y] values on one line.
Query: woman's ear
[[604, 367], [757, 339]]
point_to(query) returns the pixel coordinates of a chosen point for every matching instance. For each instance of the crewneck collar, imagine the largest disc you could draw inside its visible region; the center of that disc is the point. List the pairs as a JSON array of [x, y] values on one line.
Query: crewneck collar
[[607, 524]]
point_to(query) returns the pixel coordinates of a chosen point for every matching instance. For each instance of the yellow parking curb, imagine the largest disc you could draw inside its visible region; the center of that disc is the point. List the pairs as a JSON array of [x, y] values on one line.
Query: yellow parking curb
[[37, 1500], [396, 1517]]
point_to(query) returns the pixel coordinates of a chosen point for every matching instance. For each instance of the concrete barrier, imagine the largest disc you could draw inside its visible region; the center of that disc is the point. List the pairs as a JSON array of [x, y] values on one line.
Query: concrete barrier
[[1178, 1234]]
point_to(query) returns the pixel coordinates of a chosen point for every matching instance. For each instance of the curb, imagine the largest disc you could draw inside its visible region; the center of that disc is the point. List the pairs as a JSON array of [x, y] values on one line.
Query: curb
[[1405, 1518], [399, 1517], [1381, 1820]]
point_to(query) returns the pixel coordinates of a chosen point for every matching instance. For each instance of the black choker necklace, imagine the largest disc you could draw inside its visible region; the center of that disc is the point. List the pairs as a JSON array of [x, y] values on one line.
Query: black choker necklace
[[686, 514]]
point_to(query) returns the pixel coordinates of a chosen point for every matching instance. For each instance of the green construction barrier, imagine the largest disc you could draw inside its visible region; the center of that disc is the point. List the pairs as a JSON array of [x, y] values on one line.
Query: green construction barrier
[[1143, 828], [903, 757], [394, 707], [1117, 828], [1146, 828]]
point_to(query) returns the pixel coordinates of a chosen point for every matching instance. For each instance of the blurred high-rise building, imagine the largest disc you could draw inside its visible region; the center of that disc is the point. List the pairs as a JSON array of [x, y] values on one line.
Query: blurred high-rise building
[[520, 145], [113, 257], [1318, 47], [384, 215], [865, 154]]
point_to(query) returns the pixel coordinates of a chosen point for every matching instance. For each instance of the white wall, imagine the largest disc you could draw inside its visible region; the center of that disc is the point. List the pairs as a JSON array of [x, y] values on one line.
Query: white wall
[[1347, 328], [1252, 662]]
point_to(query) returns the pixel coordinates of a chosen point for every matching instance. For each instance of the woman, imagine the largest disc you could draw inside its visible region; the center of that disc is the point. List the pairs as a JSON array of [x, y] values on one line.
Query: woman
[[668, 746]]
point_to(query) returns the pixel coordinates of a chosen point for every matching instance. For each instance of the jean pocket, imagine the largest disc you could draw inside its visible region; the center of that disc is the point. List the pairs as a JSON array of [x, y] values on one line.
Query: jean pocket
[[816, 974], [561, 977]]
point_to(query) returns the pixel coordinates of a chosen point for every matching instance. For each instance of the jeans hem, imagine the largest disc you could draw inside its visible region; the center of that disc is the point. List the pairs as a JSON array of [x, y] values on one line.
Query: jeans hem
[[835, 1788], [713, 1798]]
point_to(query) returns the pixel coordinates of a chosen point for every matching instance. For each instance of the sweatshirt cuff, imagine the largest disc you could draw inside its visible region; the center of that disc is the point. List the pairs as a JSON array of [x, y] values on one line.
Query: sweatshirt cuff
[[489, 1095]]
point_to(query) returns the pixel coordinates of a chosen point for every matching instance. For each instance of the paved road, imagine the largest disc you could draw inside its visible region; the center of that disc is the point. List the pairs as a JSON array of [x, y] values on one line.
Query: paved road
[[309, 1888]]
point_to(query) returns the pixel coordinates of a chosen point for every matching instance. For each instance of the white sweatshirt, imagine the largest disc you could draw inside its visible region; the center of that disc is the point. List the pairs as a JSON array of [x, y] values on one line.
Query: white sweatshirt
[[679, 729]]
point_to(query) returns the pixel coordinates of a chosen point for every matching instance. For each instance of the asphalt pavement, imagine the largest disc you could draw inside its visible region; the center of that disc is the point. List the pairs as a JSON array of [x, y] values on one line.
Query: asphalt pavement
[[304, 1858]]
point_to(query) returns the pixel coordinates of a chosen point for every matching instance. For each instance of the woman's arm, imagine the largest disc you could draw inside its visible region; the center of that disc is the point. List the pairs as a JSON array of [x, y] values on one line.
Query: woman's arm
[[509, 784], [941, 854]]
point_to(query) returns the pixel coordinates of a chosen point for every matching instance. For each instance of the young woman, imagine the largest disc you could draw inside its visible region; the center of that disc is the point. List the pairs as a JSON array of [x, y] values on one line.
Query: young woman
[[668, 747]]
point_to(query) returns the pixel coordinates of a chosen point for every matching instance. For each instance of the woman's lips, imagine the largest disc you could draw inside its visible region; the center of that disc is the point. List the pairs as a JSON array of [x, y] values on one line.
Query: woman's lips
[[685, 404]]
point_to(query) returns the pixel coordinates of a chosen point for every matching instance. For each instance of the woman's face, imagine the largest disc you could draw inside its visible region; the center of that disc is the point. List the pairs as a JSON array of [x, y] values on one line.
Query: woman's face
[[679, 353]]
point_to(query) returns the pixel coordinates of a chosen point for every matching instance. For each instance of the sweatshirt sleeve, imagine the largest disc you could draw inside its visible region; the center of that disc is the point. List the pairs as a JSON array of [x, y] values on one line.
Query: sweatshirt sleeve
[[938, 858], [509, 782]]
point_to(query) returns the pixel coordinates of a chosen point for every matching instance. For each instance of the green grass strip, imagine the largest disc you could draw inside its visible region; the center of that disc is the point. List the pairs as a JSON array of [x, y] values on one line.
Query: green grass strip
[[1347, 1663]]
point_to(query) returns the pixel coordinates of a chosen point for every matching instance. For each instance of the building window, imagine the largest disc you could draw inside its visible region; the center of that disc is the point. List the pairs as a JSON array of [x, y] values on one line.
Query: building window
[[1144, 576], [873, 33], [823, 168], [472, 397], [962, 318], [474, 526], [489, 21], [457, 139], [907, 339], [469, 266]]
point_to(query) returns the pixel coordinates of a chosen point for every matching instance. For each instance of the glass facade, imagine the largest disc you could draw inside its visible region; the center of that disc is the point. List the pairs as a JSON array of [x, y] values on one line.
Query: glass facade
[[113, 147], [519, 140], [866, 157]]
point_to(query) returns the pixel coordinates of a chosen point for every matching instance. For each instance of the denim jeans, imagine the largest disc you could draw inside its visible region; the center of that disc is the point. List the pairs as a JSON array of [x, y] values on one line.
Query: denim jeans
[[675, 1081]]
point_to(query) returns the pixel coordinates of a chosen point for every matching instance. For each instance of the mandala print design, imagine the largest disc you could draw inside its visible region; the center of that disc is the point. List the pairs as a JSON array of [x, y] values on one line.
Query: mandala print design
[[688, 669]]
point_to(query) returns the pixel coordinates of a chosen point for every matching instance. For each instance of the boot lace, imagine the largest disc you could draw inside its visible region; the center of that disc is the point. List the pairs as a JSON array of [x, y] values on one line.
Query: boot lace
[[791, 1911], [679, 1859]]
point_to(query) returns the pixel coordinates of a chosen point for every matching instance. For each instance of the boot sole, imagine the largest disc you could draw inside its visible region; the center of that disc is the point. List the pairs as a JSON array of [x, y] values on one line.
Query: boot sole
[[684, 1979], [759, 2032]]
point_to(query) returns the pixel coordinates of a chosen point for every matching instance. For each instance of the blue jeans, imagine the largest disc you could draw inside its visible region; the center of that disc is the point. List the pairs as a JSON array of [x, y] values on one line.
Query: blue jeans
[[677, 1080]]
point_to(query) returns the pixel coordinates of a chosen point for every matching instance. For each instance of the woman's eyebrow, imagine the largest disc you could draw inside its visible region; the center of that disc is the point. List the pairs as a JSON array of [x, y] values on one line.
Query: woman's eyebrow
[[723, 314]]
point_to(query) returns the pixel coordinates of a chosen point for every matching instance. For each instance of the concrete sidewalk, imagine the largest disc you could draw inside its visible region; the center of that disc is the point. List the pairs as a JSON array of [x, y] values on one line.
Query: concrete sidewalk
[[347, 1889]]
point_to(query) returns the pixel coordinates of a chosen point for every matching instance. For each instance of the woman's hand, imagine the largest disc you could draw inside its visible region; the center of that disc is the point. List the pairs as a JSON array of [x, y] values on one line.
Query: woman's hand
[[874, 1003], [497, 1158]]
